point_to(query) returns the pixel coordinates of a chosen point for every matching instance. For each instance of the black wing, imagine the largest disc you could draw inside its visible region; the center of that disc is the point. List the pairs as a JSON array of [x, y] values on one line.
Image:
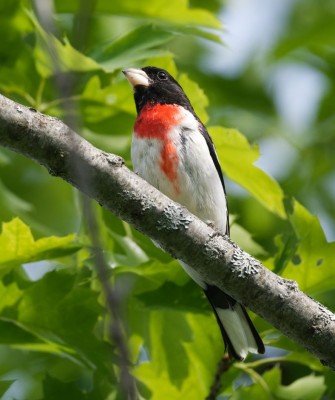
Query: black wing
[[214, 156]]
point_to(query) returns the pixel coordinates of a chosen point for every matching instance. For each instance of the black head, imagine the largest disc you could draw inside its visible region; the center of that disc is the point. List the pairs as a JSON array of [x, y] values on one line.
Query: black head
[[155, 85]]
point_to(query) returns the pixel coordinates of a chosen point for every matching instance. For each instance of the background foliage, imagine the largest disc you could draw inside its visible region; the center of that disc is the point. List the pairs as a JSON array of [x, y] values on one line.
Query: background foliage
[[53, 334]]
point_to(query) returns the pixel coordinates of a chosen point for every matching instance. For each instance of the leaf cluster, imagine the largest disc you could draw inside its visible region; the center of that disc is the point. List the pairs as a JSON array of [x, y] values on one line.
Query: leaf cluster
[[53, 322]]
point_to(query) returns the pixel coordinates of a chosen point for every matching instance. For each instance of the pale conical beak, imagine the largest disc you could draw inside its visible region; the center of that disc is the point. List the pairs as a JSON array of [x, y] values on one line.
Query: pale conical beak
[[137, 77]]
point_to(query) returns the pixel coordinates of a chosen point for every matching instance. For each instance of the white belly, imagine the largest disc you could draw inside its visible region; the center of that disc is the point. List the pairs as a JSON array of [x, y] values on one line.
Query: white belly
[[200, 188]]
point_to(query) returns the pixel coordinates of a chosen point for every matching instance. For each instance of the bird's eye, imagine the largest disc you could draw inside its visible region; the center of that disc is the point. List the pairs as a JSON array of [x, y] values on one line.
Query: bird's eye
[[162, 76]]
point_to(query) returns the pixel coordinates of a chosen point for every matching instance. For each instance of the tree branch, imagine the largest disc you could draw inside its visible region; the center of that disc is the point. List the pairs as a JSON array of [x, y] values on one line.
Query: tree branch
[[220, 261]]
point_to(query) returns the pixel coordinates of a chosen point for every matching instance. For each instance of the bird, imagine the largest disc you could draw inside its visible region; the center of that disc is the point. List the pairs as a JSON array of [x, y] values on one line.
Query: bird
[[173, 151]]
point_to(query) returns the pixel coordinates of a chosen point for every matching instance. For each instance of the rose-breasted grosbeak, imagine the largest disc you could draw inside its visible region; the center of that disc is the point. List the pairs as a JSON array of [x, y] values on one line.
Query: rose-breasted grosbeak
[[172, 150]]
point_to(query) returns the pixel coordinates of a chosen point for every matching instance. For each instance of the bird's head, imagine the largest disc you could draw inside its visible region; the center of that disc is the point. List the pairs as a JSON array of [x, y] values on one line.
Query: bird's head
[[157, 86]]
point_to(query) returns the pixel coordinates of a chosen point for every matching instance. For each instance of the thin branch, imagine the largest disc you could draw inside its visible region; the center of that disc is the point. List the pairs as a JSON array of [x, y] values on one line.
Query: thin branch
[[64, 86], [223, 366], [214, 256], [127, 382]]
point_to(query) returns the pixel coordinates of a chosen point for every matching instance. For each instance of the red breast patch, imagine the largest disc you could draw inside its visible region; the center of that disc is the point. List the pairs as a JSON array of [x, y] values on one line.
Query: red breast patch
[[169, 163], [155, 122]]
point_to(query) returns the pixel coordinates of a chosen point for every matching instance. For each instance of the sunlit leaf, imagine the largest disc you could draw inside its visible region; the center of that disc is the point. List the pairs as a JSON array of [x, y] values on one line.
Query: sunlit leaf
[[197, 96], [51, 55], [9, 296], [308, 388], [237, 158], [312, 264], [135, 46], [171, 342], [175, 13], [18, 245], [244, 239], [54, 331]]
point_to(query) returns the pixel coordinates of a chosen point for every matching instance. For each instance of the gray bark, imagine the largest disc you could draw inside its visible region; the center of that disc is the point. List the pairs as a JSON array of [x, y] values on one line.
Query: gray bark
[[219, 261]]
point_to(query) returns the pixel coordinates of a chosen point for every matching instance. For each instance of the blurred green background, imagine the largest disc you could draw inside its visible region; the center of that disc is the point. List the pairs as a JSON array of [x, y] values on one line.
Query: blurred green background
[[262, 68]]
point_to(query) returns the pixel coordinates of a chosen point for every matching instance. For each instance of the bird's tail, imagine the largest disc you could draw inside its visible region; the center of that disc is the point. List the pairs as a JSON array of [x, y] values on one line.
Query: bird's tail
[[239, 333]]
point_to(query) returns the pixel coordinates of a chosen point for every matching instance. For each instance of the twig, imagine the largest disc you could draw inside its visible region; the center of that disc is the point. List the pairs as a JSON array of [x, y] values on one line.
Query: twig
[[64, 86], [223, 366]]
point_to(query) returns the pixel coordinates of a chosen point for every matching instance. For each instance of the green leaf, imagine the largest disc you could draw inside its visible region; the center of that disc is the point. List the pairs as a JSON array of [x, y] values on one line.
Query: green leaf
[[244, 239], [18, 336], [133, 254], [305, 358], [169, 321], [5, 385], [269, 385], [187, 298], [55, 389], [52, 55], [151, 276], [57, 311], [9, 295], [18, 77], [13, 23], [175, 13], [100, 103], [18, 246], [307, 388], [53, 332], [314, 33], [312, 264], [10, 200], [57, 317], [181, 351], [262, 387], [135, 46], [196, 95], [237, 158]]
